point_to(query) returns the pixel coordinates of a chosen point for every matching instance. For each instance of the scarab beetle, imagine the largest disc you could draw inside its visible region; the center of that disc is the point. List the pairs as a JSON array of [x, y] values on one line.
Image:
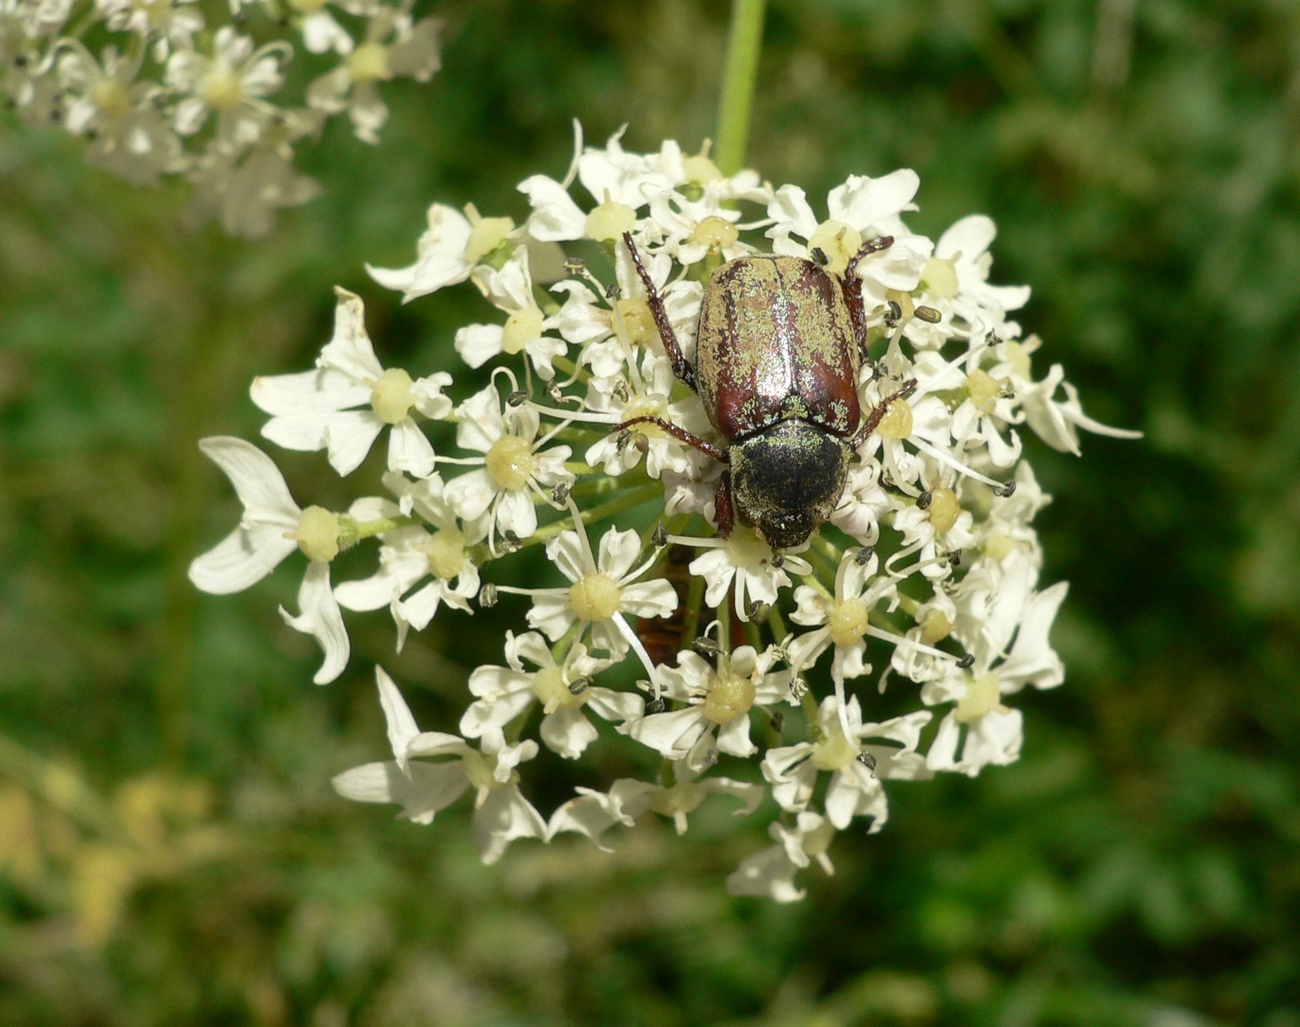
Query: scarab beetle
[[778, 351]]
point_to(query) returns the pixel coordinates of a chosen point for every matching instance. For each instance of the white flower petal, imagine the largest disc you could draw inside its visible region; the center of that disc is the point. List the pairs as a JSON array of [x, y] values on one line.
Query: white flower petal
[[321, 618]]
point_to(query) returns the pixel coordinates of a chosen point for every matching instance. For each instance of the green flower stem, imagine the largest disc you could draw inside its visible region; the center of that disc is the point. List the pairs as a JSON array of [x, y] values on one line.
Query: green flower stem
[[776, 623], [355, 531], [739, 76]]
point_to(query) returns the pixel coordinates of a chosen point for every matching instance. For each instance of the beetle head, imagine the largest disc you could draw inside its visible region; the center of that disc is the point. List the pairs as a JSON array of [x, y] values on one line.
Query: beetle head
[[787, 479]]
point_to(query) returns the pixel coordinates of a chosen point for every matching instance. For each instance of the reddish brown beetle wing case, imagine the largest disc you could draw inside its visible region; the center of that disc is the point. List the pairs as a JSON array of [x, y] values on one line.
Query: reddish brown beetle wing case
[[775, 342]]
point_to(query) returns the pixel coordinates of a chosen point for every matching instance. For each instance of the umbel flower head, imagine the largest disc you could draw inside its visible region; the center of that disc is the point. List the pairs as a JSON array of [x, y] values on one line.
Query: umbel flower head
[[652, 328], [171, 94]]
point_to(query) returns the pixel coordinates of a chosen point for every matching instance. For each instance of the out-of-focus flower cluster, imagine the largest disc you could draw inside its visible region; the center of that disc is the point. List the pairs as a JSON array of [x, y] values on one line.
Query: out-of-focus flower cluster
[[175, 87], [893, 645]]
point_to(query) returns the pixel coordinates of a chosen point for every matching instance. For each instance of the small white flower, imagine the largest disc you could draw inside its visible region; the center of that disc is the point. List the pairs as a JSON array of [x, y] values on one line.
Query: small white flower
[[318, 409], [1055, 420], [954, 282], [501, 813], [393, 47], [860, 210], [747, 561], [592, 812], [510, 290], [856, 766], [718, 700], [446, 252], [233, 82], [644, 393], [245, 187], [563, 689], [771, 871], [843, 619], [410, 555], [979, 730], [515, 466], [272, 527], [605, 590], [131, 138]]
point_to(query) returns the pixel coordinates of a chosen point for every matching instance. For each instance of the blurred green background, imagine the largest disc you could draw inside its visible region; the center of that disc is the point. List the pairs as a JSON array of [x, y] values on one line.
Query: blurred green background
[[170, 850]]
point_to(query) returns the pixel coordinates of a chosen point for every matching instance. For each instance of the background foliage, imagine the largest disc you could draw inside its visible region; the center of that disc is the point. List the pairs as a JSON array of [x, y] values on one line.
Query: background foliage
[[170, 851]]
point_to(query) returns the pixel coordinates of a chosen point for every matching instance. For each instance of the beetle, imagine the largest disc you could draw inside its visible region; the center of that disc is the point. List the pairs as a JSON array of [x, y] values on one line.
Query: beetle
[[778, 351]]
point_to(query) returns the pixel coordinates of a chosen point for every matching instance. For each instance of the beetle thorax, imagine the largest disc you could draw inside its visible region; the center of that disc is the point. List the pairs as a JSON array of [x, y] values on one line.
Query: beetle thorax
[[786, 480]]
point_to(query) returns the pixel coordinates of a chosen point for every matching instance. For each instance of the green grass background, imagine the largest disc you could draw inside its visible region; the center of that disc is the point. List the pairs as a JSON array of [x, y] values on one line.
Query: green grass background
[[170, 850]]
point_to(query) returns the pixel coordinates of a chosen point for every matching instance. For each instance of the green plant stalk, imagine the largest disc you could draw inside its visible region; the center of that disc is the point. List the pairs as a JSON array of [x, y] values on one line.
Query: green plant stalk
[[740, 73]]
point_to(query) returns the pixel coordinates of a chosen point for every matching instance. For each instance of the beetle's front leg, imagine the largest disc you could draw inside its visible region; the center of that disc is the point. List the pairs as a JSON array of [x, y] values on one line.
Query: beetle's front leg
[[681, 368], [882, 408], [723, 510], [677, 432], [853, 289]]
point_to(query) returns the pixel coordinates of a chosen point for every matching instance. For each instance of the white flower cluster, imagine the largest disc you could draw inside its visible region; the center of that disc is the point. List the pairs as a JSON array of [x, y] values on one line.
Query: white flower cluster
[[759, 668], [158, 91]]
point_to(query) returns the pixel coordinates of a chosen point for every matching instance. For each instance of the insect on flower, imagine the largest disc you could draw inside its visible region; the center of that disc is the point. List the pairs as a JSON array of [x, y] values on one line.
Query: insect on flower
[[778, 354]]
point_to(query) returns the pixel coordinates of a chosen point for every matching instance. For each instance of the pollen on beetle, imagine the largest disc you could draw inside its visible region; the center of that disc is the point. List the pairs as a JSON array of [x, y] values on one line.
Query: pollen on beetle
[[595, 597], [391, 397], [510, 462], [318, 534]]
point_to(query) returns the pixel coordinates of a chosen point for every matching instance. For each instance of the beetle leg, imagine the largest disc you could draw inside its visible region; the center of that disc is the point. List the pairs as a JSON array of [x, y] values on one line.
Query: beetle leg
[[717, 452], [853, 289], [723, 512], [681, 368], [869, 425]]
